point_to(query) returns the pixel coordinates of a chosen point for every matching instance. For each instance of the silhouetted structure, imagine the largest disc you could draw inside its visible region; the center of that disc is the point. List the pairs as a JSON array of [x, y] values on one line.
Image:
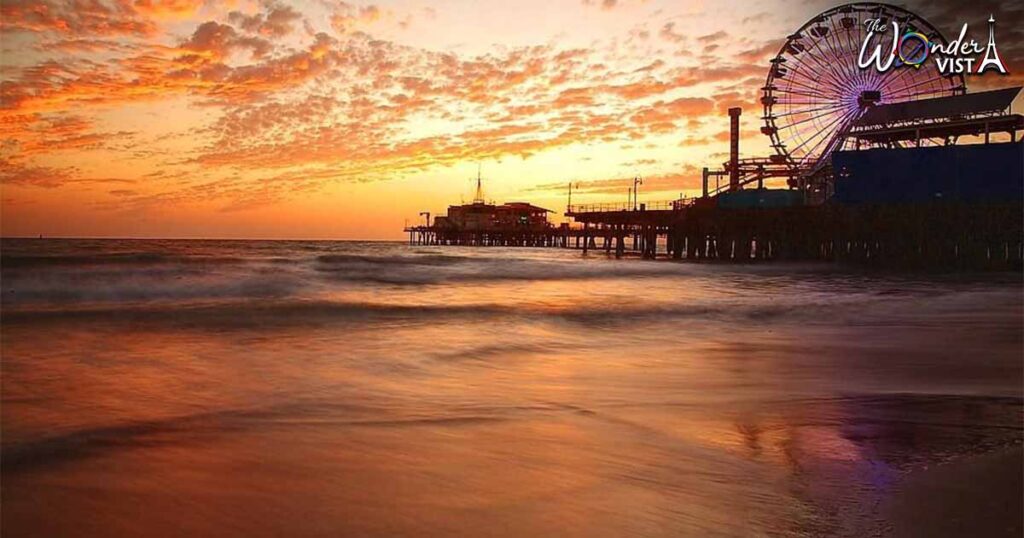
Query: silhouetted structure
[[480, 223], [893, 200], [874, 169]]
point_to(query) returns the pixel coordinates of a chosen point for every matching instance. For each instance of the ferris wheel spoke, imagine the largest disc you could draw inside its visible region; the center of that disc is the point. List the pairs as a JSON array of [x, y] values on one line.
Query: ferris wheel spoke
[[839, 133], [903, 75], [849, 52], [912, 86], [794, 104], [812, 94], [807, 135], [920, 94], [862, 75], [852, 74], [802, 80], [795, 132], [809, 55], [797, 138], [805, 120], [825, 60], [823, 68], [830, 124], [871, 77], [809, 110], [933, 82], [806, 91], [842, 83], [840, 52], [823, 131], [834, 85], [796, 93]]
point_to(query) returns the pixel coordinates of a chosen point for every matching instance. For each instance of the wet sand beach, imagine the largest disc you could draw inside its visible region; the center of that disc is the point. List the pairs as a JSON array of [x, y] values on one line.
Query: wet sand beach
[[170, 388], [974, 496]]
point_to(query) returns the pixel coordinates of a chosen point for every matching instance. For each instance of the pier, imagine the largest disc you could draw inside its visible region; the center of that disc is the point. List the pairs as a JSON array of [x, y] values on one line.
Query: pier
[[493, 237], [902, 204], [946, 235], [951, 235]]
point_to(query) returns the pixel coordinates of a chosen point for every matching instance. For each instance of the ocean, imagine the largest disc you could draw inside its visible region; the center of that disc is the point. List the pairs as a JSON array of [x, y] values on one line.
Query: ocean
[[320, 388]]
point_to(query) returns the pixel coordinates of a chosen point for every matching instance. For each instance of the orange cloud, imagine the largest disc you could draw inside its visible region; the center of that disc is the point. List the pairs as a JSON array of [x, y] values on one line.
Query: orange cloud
[[605, 4], [688, 178], [168, 9], [289, 112], [39, 134], [346, 16], [668, 33], [663, 112], [276, 22], [216, 41], [78, 17], [38, 176]]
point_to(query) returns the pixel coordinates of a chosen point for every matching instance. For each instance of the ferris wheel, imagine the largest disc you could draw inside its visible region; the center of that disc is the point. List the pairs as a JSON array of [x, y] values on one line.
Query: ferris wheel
[[815, 89]]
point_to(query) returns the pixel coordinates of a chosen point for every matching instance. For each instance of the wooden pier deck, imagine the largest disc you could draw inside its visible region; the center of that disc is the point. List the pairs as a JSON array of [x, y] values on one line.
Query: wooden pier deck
[[940, 235]]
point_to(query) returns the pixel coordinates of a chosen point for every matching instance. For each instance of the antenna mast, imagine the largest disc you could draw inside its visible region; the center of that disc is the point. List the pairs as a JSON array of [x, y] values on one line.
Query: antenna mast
[[478, 198]]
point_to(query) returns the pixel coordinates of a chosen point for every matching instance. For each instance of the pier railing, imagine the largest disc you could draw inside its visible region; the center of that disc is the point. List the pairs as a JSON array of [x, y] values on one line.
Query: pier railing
[[659, 205]]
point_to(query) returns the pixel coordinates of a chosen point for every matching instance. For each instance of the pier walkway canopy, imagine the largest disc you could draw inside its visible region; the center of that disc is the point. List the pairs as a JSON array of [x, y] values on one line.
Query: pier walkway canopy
[[912, 153], [940, 120]]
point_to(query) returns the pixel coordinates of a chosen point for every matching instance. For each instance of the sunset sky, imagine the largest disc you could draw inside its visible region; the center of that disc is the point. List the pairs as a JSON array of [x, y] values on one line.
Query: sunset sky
[[327, 119]]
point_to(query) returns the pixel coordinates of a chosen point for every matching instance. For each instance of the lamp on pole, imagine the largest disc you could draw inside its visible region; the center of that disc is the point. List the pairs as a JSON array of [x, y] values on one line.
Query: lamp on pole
[[636, 181], [568, 207]]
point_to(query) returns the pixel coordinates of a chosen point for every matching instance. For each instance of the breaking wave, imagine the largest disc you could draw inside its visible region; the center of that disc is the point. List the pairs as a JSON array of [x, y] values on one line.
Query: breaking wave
[[241, 283]]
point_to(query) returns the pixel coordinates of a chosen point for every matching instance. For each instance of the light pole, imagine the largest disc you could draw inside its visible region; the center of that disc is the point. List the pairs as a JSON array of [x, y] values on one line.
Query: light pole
[[568, 206], [636, 181]]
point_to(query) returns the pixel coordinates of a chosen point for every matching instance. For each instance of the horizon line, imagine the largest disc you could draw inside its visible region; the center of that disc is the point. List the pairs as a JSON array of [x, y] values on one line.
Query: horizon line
[[152, 238]]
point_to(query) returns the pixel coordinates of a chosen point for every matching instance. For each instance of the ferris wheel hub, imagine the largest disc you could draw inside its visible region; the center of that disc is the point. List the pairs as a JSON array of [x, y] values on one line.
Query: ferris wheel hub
[[869, 98]]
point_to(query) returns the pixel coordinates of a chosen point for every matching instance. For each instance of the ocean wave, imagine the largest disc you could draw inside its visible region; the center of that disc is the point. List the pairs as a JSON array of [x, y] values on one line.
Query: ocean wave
[[264, 280], [429, 259], [142, 277], [15, 261], [245, 312], [151, 284], [465, 270], [288, 311]]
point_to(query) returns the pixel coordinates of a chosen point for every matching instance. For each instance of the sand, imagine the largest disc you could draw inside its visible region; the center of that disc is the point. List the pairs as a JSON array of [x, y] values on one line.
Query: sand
[[973, 496]]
